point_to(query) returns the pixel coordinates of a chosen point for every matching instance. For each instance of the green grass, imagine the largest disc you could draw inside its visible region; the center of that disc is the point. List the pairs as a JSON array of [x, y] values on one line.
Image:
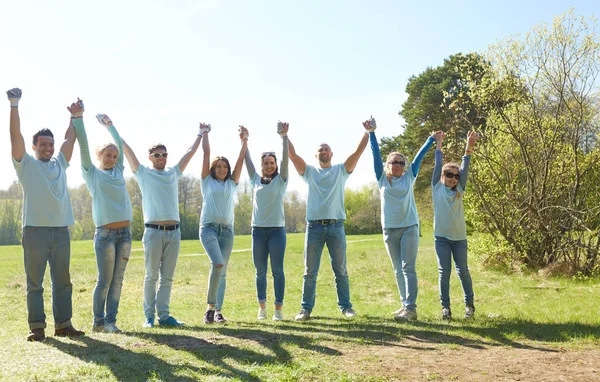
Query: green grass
[[520, 312]]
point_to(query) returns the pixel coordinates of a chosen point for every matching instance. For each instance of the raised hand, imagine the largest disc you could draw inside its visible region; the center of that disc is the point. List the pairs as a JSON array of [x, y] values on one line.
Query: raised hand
[[472, 138], [14, 95], [205, 127], [243, 133], [76, 109], [438, 135], [282, 128], [104, 120], [370, 125]]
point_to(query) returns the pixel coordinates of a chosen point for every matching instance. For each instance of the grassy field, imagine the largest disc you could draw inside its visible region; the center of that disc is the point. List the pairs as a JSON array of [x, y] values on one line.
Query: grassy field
[[526, 326]]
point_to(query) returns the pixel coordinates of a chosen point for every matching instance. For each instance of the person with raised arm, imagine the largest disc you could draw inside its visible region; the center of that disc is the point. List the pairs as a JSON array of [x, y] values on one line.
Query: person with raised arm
[[161, 239], [219, 184], [46, 216], [268, 223], [112, 215], [448, 185], [399, 218], [325, 215]]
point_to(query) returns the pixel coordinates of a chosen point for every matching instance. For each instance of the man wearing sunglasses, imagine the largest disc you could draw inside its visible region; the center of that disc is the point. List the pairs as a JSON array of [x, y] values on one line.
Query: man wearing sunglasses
[[46, 216], [325, 217], [160, 202]]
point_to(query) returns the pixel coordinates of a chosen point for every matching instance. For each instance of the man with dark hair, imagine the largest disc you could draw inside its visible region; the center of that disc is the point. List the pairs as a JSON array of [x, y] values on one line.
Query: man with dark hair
[[46, 217], [160, 203]]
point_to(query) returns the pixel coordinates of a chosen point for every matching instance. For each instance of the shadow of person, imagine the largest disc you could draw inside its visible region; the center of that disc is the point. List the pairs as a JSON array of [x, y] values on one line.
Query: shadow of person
[[124, 364]]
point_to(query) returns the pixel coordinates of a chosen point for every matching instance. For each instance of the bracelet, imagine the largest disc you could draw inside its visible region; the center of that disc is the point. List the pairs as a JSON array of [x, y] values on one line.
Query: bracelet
[[468, 152]]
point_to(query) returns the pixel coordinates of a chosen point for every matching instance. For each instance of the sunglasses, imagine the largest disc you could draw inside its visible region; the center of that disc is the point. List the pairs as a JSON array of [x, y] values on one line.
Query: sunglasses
[[268, 153], [451, 175], [158, 155], [398, 163]]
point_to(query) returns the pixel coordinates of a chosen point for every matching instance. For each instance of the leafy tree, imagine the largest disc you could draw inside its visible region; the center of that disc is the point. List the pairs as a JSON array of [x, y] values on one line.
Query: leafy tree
[[363, 210], [295, 212], [243, 209]]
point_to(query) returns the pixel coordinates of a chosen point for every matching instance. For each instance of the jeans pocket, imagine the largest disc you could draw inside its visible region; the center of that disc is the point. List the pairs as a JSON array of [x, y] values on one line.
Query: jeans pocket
[[148, 235], [102, 234]]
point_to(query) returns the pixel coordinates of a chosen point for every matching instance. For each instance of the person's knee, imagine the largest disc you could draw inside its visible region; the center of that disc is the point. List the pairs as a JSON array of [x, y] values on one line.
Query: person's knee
[[218, 265]]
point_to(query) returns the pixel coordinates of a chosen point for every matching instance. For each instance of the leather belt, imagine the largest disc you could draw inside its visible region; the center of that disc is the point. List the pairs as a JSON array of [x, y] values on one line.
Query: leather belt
[[324, 221], [162, 227]]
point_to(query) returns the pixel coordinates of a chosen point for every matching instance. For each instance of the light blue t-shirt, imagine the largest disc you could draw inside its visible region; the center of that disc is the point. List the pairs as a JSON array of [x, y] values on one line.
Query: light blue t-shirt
[[110, 200], [46, 201], [267, 208], [160, 198], [325, 198], [217, 203], [398, 207]]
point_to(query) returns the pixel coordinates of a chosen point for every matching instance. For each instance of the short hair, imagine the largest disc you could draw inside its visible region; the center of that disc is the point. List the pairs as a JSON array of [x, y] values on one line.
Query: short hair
[[448, 165], [213, 164], [100, 149], [156, 147], [42, 133]]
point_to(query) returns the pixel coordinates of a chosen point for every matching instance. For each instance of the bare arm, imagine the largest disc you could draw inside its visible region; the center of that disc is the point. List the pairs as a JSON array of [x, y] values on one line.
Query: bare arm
[[206, 156], [352, 160], [237, 170], [185, 159], [130, 155], [298, 162], [16, 138], [67, 146]]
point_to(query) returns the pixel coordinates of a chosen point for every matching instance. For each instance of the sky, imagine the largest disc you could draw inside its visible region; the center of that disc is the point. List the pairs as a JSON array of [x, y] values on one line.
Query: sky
[[158, 68]]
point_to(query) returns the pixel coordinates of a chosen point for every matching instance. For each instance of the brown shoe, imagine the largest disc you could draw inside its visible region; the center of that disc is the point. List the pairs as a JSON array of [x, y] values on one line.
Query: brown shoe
[[36, 335], [69, 331]]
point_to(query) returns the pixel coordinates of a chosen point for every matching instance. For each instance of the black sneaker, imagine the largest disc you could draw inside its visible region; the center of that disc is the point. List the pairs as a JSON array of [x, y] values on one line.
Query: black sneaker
[[220, 319], [446, 314], [209, 317], [469, 311], [36, 335]]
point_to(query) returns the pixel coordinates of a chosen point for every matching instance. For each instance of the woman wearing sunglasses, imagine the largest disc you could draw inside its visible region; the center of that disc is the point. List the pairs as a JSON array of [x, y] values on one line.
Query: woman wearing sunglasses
[[399, 218], [111, 212], [268, 222], [448, 187], [219, 185]]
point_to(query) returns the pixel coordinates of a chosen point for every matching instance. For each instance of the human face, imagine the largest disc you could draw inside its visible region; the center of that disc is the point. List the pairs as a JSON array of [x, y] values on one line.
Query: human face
[[161, 162], [450, 182], [324, 155], [108, 157], [44, 149], [397, 169], [221, 170], [269, 166]]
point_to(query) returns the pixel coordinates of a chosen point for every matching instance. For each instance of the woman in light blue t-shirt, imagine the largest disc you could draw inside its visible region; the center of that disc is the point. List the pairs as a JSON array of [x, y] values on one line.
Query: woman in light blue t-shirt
[[219, 184], [111, 212], [268, 223], [448, 185]]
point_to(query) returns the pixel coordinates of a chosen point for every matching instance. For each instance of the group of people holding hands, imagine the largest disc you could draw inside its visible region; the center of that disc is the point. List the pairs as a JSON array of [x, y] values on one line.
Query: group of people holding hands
[[47, 215]]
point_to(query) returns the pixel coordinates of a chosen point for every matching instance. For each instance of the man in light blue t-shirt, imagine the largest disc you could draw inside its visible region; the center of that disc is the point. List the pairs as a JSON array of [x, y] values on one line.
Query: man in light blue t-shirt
[[160, 203], [46, 217], [325, 215]]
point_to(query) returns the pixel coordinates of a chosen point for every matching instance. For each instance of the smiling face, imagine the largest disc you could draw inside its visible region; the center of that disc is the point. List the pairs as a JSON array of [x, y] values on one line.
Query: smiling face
[[221, 170], [158, 157], [269, 166], [44, 148], [395, 165], [107, 157], [324, 155], [450, 175]]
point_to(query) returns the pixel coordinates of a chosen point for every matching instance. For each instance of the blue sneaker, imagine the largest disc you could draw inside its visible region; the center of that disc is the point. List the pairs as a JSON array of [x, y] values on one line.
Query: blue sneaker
[[171, 322], [149, 323]]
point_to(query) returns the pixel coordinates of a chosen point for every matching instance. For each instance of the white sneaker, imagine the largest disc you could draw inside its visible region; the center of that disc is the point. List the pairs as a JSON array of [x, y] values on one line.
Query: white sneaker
[[277, 315], [112, 328], [262, 314], [406, 315], [469, 311], [349, 313], [397, 312], [303, 315]]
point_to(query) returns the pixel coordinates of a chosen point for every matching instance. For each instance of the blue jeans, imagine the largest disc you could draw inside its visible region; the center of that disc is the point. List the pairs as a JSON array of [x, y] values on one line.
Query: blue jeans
[[112, 247], [446, 250], [217, 240], [161, 250], [265, 241], [402, 245], [317, 235], [42, 245]]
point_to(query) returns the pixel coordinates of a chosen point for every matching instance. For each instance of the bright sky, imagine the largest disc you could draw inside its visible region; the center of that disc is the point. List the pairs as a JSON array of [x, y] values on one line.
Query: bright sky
[[157, 68]]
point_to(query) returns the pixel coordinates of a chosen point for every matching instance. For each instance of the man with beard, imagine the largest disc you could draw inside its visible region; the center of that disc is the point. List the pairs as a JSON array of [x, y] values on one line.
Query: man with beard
[[325, 217], [46, 216], [162, 236]]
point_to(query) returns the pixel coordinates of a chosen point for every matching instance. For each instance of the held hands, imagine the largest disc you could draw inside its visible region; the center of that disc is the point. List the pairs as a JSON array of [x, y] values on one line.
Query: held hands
[[14, 95], [204, 128], [370, 125], [243, 133], [76, 109], [438, 135], [282, 128], [472, 138], [104, 120]]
